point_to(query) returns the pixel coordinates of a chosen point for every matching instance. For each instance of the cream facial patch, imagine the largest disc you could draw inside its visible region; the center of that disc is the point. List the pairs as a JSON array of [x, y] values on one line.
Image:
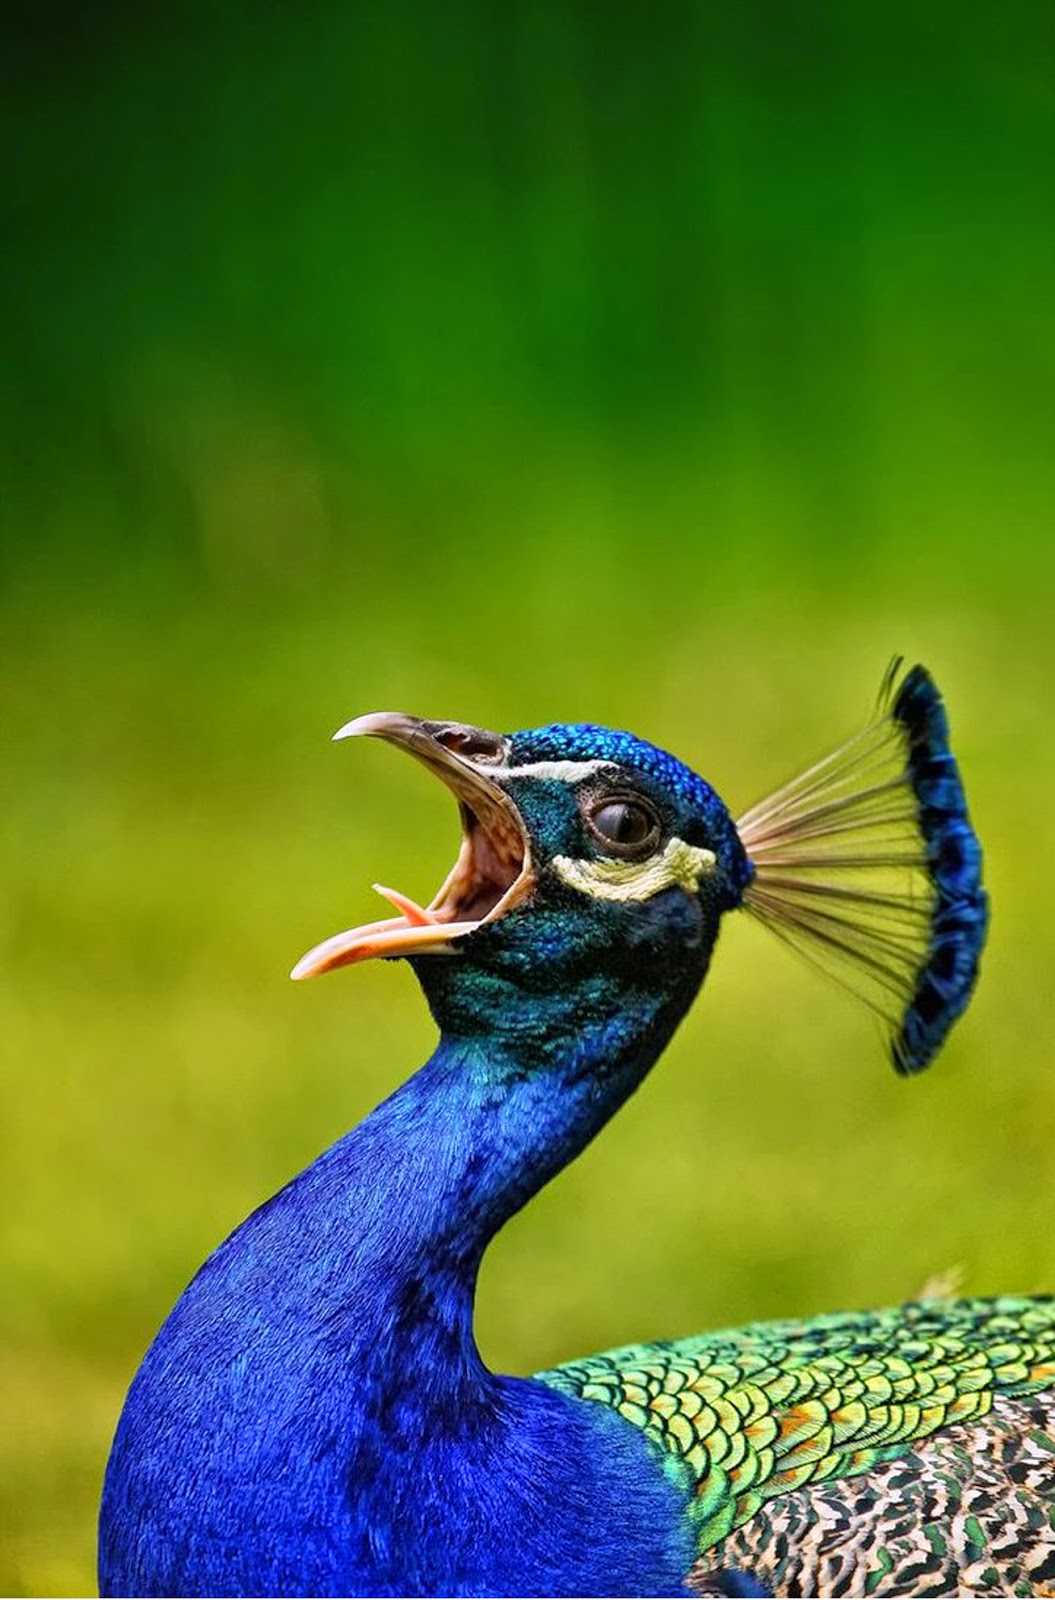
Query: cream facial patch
[[679, 864]]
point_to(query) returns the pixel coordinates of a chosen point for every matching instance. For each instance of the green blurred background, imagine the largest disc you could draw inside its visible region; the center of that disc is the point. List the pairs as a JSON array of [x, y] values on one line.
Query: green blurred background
[[670, 366]]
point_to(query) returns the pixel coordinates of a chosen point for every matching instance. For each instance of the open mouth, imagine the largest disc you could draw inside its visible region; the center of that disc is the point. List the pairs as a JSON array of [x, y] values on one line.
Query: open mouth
[[491, 875]]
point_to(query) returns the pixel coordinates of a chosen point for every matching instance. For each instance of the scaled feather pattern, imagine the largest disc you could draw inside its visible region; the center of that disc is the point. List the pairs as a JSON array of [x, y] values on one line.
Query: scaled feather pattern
[[756, 1413]]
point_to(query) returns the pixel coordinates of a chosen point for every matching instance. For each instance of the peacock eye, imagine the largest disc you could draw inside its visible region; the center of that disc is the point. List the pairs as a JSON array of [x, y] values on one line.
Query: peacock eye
[[624, 825]]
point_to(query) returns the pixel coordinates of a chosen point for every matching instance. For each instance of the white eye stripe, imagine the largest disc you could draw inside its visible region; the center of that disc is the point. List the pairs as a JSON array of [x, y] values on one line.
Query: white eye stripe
[[679, 864], [564, 771]]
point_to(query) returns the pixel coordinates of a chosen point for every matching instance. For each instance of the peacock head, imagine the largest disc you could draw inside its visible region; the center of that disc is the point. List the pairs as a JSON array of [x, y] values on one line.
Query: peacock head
[[593, 865], [587, 855]]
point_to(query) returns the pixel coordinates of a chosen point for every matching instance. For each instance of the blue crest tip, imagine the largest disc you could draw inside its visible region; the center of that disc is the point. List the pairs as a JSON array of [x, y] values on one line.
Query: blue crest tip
[[954, 862]]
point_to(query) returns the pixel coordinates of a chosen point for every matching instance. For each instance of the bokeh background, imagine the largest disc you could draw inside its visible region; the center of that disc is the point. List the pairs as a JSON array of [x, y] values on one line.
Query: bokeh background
[[671, 366]]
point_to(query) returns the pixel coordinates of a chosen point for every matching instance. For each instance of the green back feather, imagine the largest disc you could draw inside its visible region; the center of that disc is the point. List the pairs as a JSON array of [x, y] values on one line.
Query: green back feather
[[755, 1412]]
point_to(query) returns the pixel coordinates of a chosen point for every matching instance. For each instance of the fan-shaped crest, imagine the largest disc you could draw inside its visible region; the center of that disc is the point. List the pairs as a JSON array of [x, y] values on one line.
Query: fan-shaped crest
[[867, 863]]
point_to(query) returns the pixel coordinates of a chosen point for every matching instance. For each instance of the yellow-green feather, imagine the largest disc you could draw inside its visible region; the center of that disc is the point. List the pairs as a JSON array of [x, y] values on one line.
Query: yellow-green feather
[[760, 1411]]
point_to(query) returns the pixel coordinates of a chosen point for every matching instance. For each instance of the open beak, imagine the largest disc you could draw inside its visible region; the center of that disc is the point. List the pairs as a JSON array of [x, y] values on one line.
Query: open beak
[[493, 870]]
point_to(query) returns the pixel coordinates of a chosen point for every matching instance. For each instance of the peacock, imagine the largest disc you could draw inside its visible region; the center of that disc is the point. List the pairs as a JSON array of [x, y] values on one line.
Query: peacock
[[314, 1418]]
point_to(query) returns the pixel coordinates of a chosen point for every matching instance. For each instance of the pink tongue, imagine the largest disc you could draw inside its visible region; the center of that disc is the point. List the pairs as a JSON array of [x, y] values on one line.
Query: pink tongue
[[416, 915]]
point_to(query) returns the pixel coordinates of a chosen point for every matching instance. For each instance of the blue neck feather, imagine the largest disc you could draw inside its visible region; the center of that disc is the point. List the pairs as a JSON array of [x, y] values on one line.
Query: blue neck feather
[[314, 1415]]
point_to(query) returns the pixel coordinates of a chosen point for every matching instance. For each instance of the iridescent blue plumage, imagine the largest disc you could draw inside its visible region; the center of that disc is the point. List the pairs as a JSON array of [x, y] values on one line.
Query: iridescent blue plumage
[[314, 1416]]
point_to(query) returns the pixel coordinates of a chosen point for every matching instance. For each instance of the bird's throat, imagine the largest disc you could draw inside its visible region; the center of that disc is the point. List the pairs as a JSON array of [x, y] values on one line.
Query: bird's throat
[[490, 1118]]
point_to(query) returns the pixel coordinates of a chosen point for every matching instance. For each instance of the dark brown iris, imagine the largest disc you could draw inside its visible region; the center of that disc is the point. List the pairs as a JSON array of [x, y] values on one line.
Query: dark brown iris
[[625, 827]]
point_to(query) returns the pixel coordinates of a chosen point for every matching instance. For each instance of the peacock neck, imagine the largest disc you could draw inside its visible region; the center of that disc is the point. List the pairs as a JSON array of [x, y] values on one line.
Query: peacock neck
[[329, 1343], [414, 1195]]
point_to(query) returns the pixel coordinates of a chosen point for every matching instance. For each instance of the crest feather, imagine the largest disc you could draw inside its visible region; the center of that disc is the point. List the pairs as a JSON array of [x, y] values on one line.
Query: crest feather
[[868, 865]]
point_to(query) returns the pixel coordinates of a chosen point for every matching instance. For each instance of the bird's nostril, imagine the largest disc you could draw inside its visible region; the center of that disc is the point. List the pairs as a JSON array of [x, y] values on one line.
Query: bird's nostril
[[475, 744]]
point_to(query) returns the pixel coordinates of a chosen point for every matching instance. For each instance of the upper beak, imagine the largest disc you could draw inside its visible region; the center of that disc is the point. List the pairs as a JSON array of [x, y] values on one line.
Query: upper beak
[[492, 872]]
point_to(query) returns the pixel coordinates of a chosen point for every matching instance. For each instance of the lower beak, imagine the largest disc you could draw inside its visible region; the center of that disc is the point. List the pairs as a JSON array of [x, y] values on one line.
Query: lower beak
[[392, 936]]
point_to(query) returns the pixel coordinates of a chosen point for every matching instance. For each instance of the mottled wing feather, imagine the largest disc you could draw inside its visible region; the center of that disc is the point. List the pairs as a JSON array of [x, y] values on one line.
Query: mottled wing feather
[[969, 1511], [763, 1410]]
